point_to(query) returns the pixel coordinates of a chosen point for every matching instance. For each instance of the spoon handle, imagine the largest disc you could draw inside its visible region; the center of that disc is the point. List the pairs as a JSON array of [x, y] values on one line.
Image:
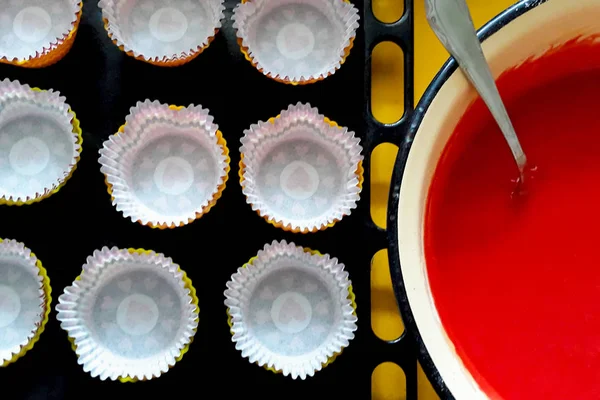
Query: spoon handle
[[452, 24]]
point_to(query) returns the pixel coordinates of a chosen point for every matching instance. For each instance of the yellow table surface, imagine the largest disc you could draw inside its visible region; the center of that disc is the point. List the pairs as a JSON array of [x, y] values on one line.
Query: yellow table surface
[[387, 102]]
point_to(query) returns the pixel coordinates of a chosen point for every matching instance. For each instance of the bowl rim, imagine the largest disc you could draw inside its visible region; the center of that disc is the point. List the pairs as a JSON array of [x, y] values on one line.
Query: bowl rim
[[448, 68]]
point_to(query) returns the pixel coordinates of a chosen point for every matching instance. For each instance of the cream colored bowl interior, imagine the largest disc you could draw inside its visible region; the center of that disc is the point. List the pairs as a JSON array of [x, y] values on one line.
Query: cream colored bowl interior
[[549, 24]]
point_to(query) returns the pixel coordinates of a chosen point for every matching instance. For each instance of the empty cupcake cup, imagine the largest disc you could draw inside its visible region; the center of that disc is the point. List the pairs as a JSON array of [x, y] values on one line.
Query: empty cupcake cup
[[300, 171], [130, 315], [24, 300], [37, 33], [40, 143], [167, 166], [162, 33], [291, 309], [296, 41]]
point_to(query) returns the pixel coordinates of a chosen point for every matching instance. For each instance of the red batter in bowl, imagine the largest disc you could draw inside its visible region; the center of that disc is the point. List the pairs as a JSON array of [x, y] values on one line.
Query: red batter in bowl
[[516, 281]]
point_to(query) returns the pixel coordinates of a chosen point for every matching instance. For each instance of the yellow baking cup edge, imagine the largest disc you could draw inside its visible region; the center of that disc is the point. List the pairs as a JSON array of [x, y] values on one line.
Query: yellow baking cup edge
[[54, 55], [351, 297], [188, 285], [223, 144], [47, 306], [246, 52], [168, 63], [360, 172], [79, 133]]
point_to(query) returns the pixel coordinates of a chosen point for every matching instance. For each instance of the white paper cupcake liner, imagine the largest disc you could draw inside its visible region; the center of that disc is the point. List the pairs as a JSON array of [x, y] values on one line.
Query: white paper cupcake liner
[[296, 41], [130, 315], [300, 172], [33, 28], [38, 148], [22, 299], [160, 31], [168, 165], [290, 309]]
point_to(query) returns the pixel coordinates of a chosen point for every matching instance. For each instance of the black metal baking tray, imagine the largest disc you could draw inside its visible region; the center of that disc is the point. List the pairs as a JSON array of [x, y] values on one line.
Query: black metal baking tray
[[101, 84]]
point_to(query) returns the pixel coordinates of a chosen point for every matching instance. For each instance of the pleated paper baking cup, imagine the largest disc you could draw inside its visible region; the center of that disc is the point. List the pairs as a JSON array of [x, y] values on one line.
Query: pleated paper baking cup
[[291, 309], [24, 300], [131, 314], [37, 33], [163, 33], [296, 41], [40, 143], [167, 166], [301, 171]]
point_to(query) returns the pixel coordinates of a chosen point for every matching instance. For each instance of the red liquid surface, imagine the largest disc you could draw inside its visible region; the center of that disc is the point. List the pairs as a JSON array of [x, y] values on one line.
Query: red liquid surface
[[516, 281]]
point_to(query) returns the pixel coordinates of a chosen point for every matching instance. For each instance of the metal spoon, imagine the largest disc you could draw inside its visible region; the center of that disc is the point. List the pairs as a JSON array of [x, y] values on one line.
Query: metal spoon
[[452, 24]]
